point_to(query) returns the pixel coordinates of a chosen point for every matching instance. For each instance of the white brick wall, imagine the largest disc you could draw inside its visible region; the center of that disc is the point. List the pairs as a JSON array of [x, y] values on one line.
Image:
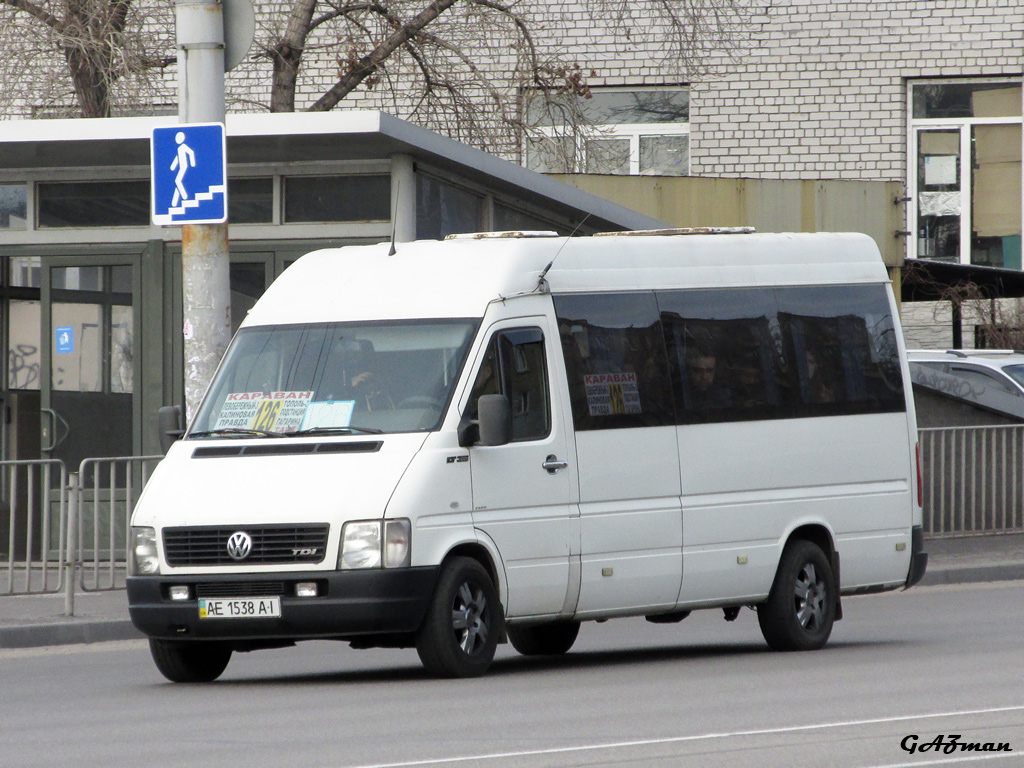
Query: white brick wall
[[832, 75]]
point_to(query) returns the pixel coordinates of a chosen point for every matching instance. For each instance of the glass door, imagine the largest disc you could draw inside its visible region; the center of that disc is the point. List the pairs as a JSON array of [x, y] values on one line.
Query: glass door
[[89, 354]]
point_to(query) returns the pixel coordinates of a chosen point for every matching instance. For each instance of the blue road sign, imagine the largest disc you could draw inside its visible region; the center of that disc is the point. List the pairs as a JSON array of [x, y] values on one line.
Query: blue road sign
[[64, 338], [189, 172]]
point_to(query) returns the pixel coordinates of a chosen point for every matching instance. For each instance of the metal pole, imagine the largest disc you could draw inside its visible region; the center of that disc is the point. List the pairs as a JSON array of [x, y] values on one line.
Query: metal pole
[[72, 547], [206, 301]]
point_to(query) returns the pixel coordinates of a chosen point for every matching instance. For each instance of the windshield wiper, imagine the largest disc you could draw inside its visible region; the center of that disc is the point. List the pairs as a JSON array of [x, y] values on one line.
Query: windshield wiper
[[236, 432], [337, 431]]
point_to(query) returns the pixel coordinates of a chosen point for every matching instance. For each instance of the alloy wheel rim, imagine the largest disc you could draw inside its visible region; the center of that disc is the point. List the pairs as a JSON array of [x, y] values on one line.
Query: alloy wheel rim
[[810, 595], [469, 618]]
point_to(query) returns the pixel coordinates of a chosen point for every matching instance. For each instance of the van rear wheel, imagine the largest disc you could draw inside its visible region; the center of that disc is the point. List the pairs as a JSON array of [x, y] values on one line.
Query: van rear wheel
[[801, 606], [552, 639], [460, 632], [191, 662]]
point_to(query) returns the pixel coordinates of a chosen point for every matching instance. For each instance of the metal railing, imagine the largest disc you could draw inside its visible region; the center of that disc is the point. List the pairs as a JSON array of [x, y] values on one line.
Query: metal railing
[[973, 480], [33, 526], [61, 531]]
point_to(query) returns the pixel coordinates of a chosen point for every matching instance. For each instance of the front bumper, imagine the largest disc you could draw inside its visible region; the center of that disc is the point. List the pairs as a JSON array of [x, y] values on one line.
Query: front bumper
[[918, 557], [350, 604]]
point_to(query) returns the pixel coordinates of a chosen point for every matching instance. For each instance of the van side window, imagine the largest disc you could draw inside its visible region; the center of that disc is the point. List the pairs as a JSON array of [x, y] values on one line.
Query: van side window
[[514, 365], [749, 354], [615, 360]]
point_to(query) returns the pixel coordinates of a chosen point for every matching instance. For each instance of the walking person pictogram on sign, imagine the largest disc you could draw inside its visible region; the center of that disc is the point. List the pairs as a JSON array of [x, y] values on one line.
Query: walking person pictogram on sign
[[185, 159], [189, 174]]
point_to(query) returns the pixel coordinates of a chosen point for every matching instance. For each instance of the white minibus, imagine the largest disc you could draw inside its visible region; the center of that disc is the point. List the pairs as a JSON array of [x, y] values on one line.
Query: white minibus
[[451, 444]]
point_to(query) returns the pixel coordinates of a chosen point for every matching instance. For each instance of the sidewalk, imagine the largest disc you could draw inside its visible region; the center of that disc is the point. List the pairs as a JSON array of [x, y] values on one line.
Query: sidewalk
[[38, 620]]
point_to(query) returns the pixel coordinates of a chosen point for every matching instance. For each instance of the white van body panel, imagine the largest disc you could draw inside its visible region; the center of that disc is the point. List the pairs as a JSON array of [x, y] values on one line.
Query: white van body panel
[[252, 490]]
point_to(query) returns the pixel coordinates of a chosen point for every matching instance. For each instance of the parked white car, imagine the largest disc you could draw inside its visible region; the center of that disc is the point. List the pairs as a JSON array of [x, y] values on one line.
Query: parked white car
[[999, 368]]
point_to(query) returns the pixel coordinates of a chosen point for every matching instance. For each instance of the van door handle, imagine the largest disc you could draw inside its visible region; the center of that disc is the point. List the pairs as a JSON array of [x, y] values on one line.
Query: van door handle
[[552, 464]]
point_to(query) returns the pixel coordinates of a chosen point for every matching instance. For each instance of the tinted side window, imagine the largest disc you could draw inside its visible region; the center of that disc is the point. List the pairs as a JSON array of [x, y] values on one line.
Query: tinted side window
[[839, 346], [514, 365], [724, 352], [749, 354], [615, 360]]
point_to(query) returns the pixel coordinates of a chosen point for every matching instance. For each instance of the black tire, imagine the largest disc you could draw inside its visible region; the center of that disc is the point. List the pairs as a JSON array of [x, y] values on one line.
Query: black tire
[[460, 632], [191, 662], [552, 639], [801, 606]]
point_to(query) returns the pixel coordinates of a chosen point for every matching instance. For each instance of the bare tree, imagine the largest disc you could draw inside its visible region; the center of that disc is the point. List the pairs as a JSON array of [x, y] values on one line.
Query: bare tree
[[998, 322], [105, 45], [482, 71], [486, 71]]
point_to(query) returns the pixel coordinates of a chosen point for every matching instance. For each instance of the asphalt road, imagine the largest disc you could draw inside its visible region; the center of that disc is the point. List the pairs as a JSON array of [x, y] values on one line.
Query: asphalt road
[[900, 668]]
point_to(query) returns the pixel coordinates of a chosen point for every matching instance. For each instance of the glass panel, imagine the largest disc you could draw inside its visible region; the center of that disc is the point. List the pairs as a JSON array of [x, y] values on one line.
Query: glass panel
[[946, 100], [996, 196], [13, 205], [94, 204], [77, 359], [526, 383], [938, 193], [248, 282], [78, 278], [615, 360], [26, 271], [443, 209], [251, 201], [337, 198], [510, 219], [617, 107], [665, 155], [608, 156], [750, 354], [23, 358], [388, 377], [122, 339], [551, 154]]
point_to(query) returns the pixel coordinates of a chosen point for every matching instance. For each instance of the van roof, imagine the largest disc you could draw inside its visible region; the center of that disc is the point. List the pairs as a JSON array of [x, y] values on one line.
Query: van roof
[[459, 277]]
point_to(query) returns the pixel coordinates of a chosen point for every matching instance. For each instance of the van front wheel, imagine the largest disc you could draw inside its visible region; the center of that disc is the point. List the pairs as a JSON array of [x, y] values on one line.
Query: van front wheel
[[460, 632], [544, 639], [190, 662], [801, 606]]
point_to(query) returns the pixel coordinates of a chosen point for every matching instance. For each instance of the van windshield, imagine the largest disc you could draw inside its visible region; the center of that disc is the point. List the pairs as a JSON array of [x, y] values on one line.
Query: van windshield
[[336, 378]]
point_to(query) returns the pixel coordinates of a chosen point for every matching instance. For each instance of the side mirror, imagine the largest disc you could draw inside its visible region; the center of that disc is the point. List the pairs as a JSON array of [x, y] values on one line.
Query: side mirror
[[495, 420], [169, 421]]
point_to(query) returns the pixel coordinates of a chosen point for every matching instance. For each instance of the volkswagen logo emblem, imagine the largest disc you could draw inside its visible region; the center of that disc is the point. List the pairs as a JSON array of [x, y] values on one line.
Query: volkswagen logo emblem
[[239, 545]]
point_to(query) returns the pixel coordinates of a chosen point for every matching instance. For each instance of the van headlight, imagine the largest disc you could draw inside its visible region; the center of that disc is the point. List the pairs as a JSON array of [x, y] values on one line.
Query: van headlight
[[365, 545], [144, 558]]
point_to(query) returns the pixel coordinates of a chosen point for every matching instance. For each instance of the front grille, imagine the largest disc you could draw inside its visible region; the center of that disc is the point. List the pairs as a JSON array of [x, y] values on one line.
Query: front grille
[[271, 544], [240, 589]]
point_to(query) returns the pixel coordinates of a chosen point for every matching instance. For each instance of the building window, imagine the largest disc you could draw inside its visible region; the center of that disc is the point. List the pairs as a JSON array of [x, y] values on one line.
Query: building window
[[251, 201], [13, 206], [965, 172], [337, 198], [630, 132], [443, 209], [94, 204]]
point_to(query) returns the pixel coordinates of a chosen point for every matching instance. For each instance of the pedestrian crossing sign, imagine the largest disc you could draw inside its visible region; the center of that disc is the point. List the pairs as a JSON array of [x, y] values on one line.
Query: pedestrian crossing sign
[[189, 174]]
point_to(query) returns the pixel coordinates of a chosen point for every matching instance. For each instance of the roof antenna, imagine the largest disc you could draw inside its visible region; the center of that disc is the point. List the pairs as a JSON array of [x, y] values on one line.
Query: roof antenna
[[544, 272], [394, 217]]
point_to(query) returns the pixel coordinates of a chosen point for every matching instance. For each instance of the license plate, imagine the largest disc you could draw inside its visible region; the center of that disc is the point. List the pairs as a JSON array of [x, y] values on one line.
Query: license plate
[[240, 608]]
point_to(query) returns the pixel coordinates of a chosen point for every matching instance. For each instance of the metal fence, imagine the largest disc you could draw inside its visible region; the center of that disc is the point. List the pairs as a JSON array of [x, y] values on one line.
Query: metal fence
[[973, 480], [61, 531], [33, 526]]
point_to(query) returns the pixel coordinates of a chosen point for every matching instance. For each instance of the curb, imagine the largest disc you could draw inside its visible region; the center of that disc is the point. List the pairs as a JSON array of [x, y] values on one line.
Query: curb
[[68, 632], [970, 575]]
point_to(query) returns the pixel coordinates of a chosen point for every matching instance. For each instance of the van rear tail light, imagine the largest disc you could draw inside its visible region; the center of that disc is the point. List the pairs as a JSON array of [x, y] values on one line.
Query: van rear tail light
[[920, 478]]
